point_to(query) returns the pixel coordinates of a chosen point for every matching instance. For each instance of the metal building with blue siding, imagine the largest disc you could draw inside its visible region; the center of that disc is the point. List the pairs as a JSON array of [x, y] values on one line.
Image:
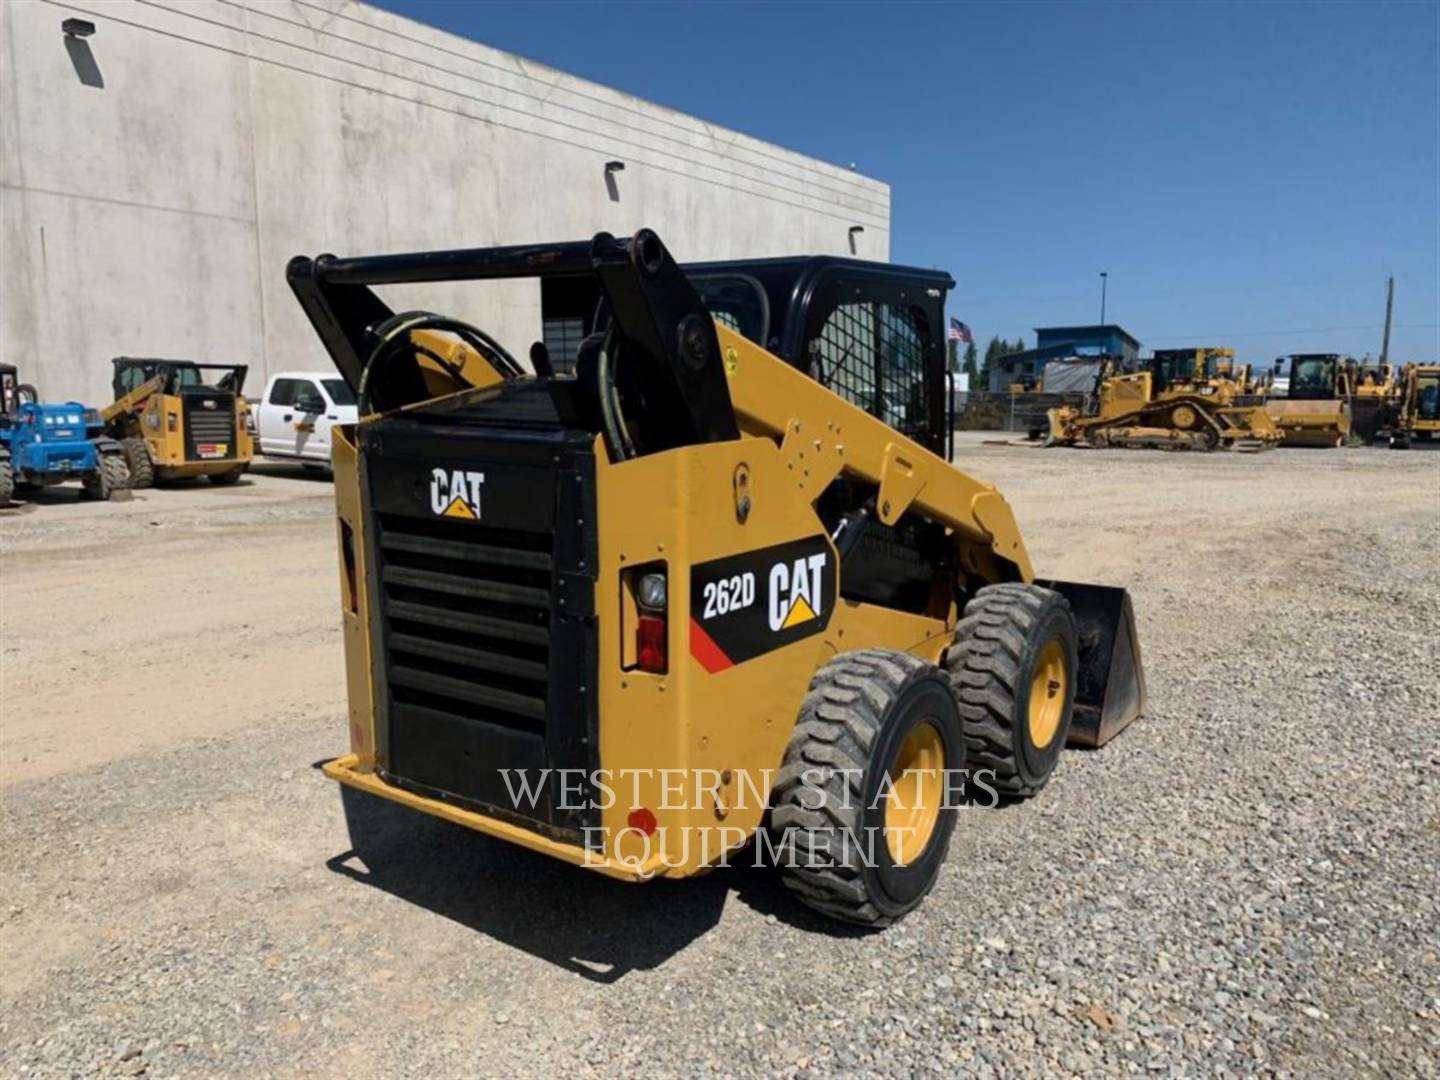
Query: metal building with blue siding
[[1057, 342]]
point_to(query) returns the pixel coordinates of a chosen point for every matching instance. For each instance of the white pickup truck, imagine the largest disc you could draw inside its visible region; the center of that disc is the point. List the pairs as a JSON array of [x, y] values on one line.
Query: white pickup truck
[[294, 418]]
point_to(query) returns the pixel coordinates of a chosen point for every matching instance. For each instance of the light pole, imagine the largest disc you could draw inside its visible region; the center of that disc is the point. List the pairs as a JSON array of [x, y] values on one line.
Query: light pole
[[1104, 280]]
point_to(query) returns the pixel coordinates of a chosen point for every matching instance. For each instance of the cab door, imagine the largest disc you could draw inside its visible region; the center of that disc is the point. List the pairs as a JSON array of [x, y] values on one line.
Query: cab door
[[277, 434], [311, 421]]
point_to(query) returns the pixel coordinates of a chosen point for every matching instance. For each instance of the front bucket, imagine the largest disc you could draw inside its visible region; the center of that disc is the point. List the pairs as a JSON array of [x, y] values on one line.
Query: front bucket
[[1110, 685]]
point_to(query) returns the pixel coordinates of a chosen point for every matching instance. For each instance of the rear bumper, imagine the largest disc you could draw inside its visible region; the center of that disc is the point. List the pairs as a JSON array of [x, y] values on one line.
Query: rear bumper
[[201, 468], [348, 771], [63, 463]]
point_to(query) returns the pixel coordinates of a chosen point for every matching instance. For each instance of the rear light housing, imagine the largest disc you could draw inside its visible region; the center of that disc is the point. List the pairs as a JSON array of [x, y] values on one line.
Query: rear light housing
[[647, 602]]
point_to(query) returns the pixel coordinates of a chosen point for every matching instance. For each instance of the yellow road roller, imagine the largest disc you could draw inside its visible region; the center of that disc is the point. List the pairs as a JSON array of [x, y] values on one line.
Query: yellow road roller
[[1315, 410]]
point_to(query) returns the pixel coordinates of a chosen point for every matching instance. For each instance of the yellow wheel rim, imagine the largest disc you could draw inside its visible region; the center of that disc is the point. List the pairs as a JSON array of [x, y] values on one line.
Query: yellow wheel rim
[[1184, 417], [1047, 693], [917, 776]]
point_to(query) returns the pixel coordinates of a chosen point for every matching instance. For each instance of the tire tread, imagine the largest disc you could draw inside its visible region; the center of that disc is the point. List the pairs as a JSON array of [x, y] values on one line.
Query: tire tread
[[840, 718], [984, 663]]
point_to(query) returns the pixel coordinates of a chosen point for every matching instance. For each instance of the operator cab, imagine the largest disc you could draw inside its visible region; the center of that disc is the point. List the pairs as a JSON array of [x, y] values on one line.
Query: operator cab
[[13, 394], [181, 376], [872, 332], [1314, 376]]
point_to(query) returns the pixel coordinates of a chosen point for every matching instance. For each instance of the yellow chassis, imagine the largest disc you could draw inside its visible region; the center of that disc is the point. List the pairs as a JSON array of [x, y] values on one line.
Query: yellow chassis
[[733, 725]]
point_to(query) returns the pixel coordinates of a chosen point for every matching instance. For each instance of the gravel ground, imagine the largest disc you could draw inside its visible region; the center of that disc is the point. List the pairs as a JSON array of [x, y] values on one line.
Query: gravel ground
[[1245, 881]]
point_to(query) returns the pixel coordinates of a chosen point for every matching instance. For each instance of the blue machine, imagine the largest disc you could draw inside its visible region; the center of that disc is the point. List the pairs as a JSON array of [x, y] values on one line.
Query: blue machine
[[41, 445]]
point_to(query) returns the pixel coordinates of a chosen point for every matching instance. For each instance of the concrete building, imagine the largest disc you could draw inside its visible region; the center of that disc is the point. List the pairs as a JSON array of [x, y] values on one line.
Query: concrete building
[[158, 170]]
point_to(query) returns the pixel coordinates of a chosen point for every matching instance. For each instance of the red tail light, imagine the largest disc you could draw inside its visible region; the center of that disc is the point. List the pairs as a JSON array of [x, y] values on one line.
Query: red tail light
[[650, 644]]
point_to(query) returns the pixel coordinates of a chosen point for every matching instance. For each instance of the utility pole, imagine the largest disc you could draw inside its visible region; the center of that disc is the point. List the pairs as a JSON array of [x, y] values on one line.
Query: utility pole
[[1389, 313], [1104, 279]]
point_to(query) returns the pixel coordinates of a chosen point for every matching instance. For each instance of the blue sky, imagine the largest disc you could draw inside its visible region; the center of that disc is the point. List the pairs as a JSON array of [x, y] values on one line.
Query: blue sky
[[1247, 173]]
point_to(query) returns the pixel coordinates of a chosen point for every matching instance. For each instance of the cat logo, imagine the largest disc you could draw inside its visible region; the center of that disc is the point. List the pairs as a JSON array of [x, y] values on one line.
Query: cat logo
[[744, 606], [795, 592], [455, 493]]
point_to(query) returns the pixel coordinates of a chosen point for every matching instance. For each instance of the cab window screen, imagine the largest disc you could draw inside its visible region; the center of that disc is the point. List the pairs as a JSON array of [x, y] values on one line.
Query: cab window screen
[[874, 355]]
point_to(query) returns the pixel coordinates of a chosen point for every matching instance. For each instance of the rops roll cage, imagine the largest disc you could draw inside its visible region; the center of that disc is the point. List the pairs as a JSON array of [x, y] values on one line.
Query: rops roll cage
[[657, 322]]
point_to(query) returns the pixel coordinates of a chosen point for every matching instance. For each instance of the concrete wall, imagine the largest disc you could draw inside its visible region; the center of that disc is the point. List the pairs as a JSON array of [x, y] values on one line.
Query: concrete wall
[[155, 178]]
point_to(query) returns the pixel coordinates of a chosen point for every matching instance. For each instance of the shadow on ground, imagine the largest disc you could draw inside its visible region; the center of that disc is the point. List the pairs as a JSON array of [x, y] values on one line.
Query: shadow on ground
[[293, 470], [28, 499], [579, 920]]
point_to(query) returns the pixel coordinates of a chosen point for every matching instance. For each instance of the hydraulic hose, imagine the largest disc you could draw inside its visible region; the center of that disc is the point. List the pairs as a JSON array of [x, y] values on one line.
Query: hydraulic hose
[[616, 434], [396, 330]]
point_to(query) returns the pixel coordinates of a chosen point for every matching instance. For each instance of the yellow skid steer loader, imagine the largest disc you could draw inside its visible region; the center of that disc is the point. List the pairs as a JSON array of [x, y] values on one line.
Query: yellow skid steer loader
[[716, 584]]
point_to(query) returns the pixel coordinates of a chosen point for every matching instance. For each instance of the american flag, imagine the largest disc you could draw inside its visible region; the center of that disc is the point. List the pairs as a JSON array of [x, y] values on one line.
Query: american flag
[[960, 332]]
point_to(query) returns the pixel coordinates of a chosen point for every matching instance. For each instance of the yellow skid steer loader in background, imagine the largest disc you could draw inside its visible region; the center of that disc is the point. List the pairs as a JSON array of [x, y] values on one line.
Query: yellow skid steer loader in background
[[699, 590], [176, 419]]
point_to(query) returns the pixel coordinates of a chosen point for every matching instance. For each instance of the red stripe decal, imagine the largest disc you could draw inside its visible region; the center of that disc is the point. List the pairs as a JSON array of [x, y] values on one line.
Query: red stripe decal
[[702, 646]]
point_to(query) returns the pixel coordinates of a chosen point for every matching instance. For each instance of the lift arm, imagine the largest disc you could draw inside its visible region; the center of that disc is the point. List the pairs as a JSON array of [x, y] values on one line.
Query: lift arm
[[822, 434], [135, 400]]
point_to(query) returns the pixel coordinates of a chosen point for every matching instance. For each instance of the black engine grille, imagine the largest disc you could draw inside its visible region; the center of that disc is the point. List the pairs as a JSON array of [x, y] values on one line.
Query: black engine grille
[[486, 649], [467, 619], [209, 426]]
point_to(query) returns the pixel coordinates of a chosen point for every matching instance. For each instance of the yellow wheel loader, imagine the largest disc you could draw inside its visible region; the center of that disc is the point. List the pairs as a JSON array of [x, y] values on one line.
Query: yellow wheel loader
[[1418, 411], [1315, 410], [177, 419], [1183, 400], [717, 590]]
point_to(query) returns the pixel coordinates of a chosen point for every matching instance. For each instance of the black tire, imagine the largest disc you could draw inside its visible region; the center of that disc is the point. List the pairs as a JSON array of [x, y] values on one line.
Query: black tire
[[226, 478], [27, 392], [829, 817], [137, 460], [1006, 633], [110, 476], [7, 483]]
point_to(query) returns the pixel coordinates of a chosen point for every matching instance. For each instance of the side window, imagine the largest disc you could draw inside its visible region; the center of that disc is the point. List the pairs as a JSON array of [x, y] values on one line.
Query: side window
[[130, 378], [875, 356], [307, 393], [728, 318], [563, 335], [283, 392], [338, 390], [737, 301]]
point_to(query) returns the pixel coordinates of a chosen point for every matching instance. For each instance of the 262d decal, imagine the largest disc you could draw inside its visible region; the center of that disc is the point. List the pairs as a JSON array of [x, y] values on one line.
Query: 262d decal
[[743, 606]]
